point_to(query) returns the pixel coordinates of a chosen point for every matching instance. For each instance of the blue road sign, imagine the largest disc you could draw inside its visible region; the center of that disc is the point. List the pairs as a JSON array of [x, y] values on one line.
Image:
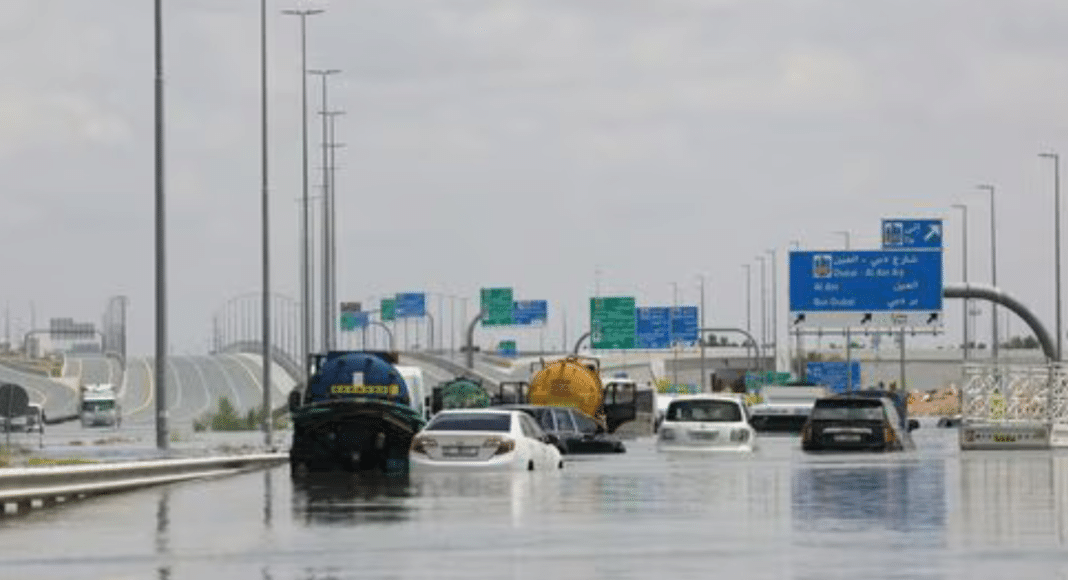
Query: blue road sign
[[411, 305], [684, 325], [866, 288], [354, 320], [912, 234], [653, 327], [528, 312], [834, 375]]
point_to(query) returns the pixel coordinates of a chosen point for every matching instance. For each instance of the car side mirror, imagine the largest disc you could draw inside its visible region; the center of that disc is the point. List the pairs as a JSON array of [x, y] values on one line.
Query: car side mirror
[[551, 439], [294, 400], [913, 424]]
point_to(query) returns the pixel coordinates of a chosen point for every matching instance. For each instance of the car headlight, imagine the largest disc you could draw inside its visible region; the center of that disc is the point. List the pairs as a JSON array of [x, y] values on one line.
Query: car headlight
[[667, 434]]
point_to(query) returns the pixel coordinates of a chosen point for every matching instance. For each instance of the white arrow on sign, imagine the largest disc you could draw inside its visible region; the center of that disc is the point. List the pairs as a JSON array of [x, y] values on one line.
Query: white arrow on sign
[[934, 232]]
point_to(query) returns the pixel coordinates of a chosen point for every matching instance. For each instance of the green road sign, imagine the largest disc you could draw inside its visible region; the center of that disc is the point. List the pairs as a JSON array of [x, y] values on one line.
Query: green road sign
[[348, 321], [389, 309], [497, 305], [612, 322]]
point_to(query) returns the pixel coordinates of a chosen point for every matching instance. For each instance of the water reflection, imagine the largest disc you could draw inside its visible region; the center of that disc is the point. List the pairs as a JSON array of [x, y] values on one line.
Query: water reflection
[[346, 499], [902, 497], [162, 539], [1013, 499]]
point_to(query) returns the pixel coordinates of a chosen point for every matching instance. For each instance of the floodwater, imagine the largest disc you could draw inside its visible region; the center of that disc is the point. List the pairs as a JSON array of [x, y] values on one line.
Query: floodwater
[[778, 513]]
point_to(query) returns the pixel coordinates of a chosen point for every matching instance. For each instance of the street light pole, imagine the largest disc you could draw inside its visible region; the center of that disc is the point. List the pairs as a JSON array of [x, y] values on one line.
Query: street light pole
[[774, 311], [763, 310], [674, 345], [265, 251], [701, 338], [849, 331], [325, 315], [1057, 241], [964, 261], [993, 268], [162, 438], [305, 253], [330, 229], [748, 305]]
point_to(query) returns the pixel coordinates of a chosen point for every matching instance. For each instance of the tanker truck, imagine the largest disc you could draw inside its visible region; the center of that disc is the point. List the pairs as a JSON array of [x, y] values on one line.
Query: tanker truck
[[356, 414], [575, 381]]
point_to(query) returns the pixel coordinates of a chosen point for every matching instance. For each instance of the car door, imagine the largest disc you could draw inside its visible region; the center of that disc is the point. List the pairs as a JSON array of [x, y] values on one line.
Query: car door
[[536, 442]]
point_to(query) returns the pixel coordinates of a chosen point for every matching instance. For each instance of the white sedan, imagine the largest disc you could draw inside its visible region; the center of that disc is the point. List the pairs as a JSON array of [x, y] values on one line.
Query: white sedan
[[482, 439], [706, 423]]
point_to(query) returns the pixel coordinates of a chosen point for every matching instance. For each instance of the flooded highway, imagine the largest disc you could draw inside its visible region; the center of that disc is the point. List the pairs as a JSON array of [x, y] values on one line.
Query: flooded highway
[[778, 513]]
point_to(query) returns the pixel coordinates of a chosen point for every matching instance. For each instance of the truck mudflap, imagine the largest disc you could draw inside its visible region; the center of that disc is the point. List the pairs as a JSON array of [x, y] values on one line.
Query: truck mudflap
[[352, 435]]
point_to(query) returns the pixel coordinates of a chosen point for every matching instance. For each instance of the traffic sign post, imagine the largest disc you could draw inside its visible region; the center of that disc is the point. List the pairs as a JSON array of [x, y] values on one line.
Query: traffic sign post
[[869, 288], [410, 305], [835, 375], [497, 305], [388, 309], [653, 327], [684, 325], [612, 322], [912, 234], [530, 312]]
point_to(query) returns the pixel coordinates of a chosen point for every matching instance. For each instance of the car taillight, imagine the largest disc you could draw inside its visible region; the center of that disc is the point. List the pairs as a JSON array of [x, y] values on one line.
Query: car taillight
[[421, 444], [667, 434], [740, 435], [806, 432], [503, 445], [888, 434]]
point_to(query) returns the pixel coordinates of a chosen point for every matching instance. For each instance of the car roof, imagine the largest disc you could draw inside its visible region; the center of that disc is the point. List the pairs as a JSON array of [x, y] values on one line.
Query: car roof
[[489, 411], [709, 397]]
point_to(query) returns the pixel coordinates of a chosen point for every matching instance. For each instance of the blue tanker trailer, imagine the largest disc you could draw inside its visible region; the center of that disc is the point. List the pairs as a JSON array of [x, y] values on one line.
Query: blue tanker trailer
[[356, 414]]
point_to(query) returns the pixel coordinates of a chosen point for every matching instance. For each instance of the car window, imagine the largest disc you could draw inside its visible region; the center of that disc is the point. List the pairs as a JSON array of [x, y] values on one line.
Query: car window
[[471, 422], [545, 419], [563, 420], [704, 410], [530, 428], [584, 423], [891, 414], [848, 409]]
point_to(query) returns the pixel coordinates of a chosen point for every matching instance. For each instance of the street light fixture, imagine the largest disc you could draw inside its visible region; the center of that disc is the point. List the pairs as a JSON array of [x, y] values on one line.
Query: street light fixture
[[993, 268], [964, 261], [1056, 241]]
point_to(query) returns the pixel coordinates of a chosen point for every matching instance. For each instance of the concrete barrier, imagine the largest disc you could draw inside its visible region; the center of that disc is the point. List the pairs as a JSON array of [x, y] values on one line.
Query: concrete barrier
[[26, 487]]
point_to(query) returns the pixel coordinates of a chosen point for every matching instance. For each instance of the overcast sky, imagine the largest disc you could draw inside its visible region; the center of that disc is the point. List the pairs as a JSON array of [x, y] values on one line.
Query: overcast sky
[[524, 144]]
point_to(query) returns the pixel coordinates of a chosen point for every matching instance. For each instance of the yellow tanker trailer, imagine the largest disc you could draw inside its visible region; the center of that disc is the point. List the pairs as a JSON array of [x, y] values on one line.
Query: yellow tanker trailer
[[575, 381]]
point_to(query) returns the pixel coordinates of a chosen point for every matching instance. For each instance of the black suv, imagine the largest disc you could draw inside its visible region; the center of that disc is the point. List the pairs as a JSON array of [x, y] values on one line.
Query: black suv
[[856, 422], [571, 430]]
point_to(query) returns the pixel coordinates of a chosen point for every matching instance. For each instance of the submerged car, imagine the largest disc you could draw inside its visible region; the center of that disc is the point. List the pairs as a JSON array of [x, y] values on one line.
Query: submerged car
[[857, 422], [572, 430], [706, 423], [483, 439]]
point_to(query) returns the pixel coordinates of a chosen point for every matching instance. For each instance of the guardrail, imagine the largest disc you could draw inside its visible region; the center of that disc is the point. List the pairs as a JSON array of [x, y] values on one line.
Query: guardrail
[[27, 487]]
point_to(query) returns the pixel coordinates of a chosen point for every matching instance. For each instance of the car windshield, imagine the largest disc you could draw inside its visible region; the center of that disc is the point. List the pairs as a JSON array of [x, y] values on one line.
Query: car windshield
[[471, 422], [704, 410], [93, 406], [845, 409]]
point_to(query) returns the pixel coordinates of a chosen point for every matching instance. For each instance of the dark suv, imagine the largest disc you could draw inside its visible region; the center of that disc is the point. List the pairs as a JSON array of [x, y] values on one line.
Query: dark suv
[[856, 423], [572, 430]]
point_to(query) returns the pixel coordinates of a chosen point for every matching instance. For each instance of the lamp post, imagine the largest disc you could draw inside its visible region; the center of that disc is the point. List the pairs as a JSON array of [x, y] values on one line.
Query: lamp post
[[329, 227], [325, 315], [700, 335], [305, 253], [993, 268], [849, 330], [964, 268], [748, 305], [763, 309], [265, 241], [790, 352], [162, 438], [674, 345], [1056, 241], [774, 311]]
